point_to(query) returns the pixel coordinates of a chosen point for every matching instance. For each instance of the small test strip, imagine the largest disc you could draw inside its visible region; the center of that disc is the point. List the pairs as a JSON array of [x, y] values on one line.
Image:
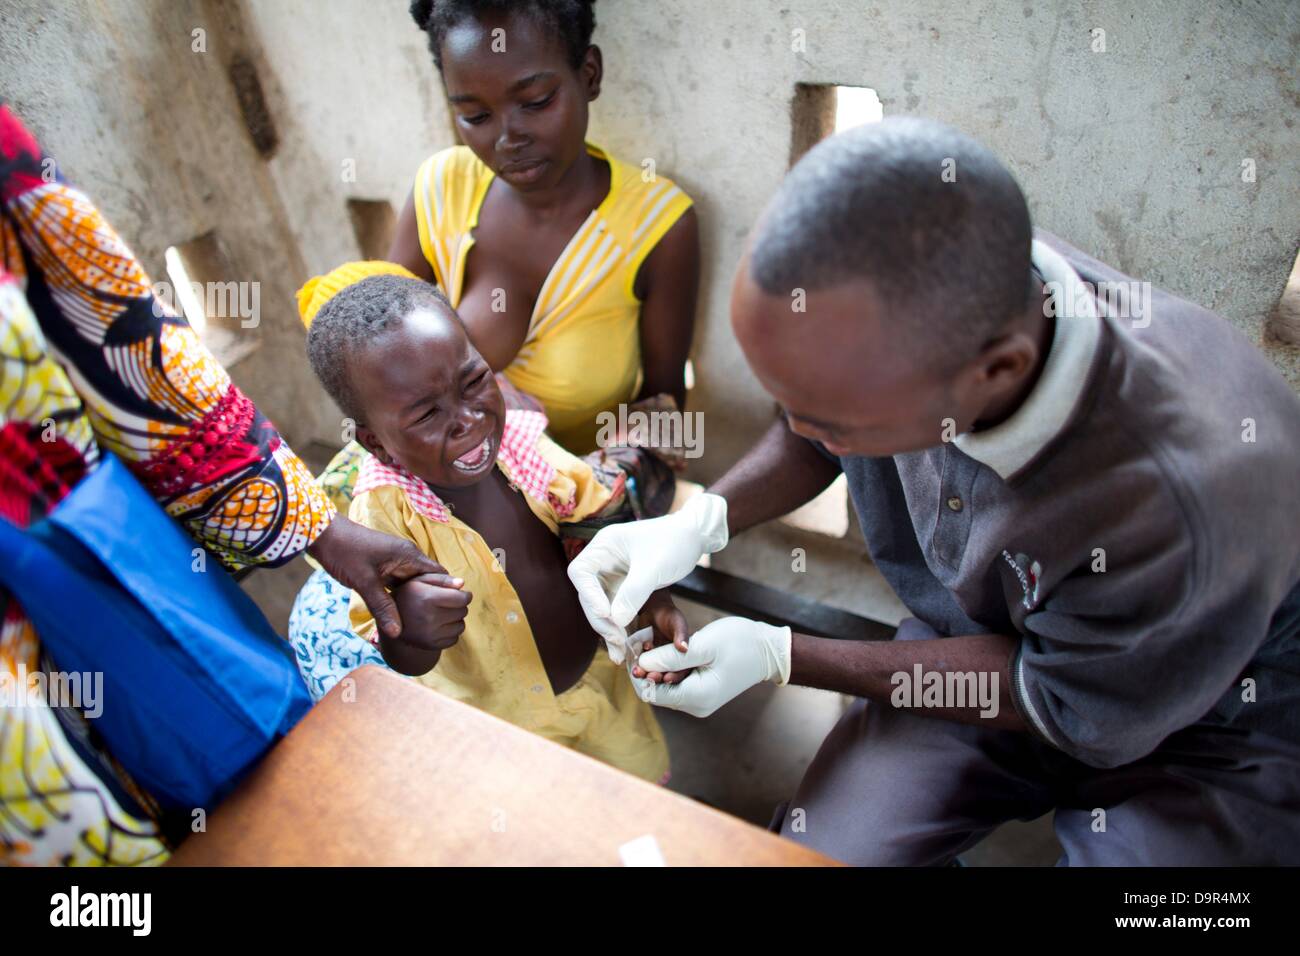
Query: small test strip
[[643, 851]]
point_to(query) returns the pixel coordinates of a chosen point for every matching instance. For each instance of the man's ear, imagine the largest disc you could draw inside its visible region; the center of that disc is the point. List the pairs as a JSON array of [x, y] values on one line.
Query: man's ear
[[371, 443], [593, 71], [1007, 360]]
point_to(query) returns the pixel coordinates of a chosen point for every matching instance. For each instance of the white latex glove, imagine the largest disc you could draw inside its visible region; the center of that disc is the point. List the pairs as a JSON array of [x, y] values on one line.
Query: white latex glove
[[729, 656], [624, 564]]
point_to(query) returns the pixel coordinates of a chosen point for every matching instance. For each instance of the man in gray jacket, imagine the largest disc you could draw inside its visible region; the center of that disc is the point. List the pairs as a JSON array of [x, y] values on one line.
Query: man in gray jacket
[[1086, 491]]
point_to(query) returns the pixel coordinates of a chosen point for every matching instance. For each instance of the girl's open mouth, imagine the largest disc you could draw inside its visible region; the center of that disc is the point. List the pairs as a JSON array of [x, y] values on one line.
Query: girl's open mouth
[[476, 459]]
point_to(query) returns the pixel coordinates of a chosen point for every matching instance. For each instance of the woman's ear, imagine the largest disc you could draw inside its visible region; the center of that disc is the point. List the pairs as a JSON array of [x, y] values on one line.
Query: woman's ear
[[593, 71], [371, 443]]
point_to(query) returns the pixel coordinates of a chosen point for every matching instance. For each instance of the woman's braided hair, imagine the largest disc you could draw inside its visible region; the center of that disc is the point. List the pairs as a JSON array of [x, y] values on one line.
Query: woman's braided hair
[[573, 20]]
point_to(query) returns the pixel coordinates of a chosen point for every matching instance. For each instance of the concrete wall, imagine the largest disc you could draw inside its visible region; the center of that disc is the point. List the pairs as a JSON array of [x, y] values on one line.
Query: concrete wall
[[357, 94], [152, 130], [1134, 154]]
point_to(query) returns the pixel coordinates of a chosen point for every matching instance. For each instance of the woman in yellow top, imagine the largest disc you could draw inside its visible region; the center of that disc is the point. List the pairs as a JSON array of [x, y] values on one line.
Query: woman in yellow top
[[575, 273]]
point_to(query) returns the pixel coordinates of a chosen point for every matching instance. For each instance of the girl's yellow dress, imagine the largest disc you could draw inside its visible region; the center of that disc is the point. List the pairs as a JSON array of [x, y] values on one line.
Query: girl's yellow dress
[[495, 666]]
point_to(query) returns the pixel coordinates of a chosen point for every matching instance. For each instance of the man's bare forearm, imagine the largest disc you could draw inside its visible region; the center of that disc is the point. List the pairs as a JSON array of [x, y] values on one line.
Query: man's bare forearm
[[886, 671], [777, 475]]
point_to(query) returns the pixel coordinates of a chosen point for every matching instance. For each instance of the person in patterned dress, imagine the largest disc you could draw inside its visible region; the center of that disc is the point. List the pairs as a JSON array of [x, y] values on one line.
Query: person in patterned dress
[[91, 361]]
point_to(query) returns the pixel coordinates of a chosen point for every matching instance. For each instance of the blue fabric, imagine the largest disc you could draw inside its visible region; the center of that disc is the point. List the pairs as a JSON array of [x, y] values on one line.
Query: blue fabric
[[323, 642], [197, 685]]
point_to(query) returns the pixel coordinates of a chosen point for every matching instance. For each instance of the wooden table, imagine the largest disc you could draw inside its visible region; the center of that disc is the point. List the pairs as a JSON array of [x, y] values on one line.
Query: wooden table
[[389, 772]]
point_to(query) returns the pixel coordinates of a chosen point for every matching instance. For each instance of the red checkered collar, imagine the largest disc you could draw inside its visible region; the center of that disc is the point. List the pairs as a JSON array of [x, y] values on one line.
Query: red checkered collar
[[518, 458]]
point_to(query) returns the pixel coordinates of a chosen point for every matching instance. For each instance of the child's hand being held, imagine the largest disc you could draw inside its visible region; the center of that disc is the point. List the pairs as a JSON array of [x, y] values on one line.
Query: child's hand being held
[[433, 609], [668, 625]]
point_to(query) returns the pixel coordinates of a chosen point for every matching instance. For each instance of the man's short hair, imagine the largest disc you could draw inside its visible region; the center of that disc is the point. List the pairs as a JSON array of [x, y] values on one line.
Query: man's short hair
[[355, 317], [925, 214]]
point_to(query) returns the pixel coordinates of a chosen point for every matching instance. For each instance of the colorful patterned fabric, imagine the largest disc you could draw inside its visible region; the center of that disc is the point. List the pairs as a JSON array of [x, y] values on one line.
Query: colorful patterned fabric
[[324, 644], [92, 360], [61, 800]]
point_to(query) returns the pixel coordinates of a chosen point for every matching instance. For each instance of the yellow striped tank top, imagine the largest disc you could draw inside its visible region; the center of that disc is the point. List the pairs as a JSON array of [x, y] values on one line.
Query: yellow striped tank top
[[582, 351]]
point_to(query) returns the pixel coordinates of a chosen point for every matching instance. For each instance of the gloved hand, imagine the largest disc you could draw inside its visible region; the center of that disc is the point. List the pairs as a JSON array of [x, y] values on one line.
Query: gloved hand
[[625, 563], [729, 656]]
